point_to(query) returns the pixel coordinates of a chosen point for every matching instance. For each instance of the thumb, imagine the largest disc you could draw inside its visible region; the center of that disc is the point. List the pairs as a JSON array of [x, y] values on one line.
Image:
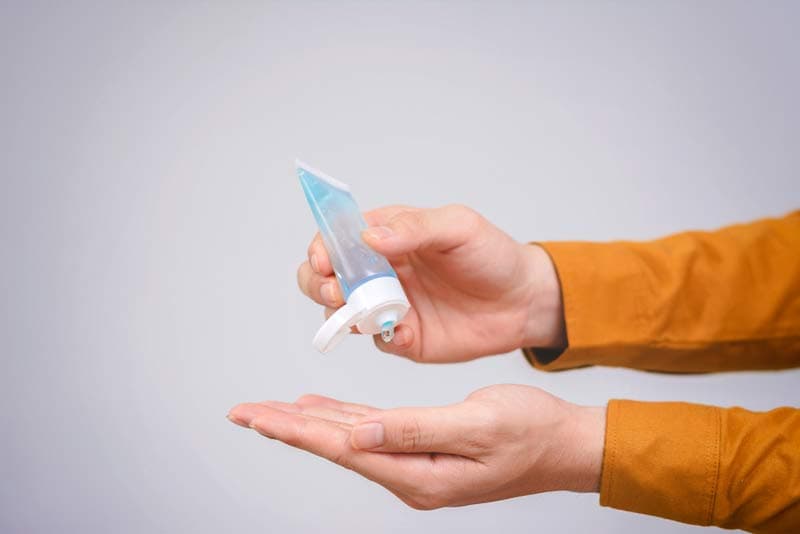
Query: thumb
[[412, 430], [438, 229]]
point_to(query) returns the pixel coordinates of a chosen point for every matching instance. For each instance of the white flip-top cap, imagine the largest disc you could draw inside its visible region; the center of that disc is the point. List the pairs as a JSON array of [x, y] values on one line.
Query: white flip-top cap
[[371, 305]]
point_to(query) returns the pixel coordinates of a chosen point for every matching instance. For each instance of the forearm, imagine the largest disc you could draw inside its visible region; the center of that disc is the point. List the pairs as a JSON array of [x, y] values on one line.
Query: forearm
[[704, 465], [693, 302]]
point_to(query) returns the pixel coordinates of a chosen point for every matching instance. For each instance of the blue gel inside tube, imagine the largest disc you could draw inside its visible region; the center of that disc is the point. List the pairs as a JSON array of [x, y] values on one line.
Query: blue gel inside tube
[[340, 224]]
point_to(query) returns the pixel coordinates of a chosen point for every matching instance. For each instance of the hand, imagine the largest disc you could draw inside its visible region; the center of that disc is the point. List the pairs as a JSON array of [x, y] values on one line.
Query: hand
[[501, 442], [473, 290]]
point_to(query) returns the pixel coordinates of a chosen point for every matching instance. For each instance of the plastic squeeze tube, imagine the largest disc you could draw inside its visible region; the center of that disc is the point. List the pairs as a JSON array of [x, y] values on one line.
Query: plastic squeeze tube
[[374, 299]]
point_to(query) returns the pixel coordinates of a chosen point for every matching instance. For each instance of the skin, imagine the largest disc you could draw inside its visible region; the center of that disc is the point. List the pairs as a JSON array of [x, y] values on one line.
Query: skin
[[474, 291]]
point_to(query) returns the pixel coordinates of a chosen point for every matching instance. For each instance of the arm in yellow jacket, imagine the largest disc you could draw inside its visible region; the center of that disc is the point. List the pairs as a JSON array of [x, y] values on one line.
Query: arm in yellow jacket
[[693, 302]]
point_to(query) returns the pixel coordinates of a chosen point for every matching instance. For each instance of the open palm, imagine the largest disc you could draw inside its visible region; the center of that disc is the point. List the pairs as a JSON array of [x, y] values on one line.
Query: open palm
[[502, 441]]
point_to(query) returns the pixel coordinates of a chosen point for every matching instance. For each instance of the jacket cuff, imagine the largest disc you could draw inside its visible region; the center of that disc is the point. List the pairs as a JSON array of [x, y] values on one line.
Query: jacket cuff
[[603, 295], [662, 459]]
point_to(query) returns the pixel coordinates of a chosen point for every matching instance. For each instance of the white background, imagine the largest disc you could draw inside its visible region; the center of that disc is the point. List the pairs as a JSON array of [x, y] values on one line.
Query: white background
[[151, 224]]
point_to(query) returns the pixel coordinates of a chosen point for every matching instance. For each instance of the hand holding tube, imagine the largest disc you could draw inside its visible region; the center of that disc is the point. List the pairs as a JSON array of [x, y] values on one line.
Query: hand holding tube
[[474, 291]]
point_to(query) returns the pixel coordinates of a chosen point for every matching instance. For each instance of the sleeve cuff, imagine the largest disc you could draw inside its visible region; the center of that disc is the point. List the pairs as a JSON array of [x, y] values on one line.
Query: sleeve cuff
[[603, 292], [662, 459]]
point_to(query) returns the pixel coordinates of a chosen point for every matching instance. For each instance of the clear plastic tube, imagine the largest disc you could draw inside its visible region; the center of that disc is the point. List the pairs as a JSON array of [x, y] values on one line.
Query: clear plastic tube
[[340, 225]]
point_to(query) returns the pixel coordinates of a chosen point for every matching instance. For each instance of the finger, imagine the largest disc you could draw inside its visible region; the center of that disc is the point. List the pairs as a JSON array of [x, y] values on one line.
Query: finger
[[318, 257], [321, 289], [439, 229], [406, 341], [448, 429], [331, 414], [333, 443], [287, 407], [244, 414], [381, 216], [318, 411], [402, 342], [304, 273], [328, 402]]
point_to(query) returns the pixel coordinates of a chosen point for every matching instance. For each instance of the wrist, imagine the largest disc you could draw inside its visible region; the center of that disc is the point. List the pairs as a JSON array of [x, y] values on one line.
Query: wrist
[[544, 319], [584, 438]]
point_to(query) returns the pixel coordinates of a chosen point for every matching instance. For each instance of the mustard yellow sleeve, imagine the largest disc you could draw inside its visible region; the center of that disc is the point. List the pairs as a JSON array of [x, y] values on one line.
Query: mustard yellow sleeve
[[691, 302], [704, 465]]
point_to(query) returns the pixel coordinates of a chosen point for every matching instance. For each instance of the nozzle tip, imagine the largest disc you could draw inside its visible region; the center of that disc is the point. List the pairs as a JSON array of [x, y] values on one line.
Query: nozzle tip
[[387, 332]]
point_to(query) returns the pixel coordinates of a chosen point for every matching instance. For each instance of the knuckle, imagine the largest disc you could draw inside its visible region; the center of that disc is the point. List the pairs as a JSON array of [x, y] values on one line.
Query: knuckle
[[409, 438]]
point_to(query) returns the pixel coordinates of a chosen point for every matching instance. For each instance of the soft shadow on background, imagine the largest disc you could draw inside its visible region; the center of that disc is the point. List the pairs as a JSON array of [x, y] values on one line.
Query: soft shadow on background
[[151, 225]]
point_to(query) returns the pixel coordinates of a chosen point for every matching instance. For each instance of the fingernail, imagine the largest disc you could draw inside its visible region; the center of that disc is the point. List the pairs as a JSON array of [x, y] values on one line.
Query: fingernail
[[368, 436], [243, 414], [379, 232], [328, 292], [315, 263], [401, 336]]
